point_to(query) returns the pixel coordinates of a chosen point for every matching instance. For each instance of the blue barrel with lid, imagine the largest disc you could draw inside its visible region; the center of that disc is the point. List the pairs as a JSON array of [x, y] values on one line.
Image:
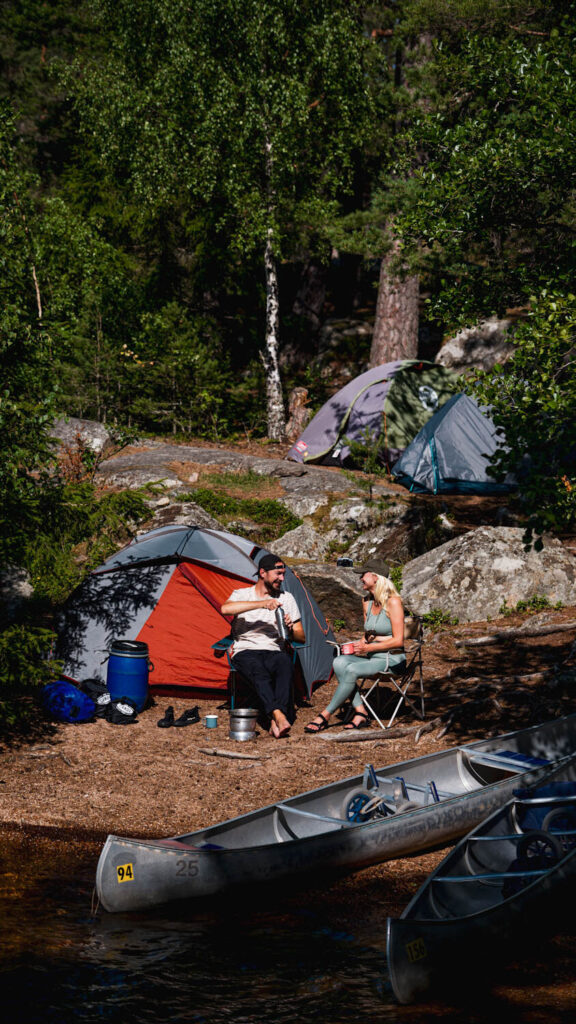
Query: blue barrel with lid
[[128, 668]]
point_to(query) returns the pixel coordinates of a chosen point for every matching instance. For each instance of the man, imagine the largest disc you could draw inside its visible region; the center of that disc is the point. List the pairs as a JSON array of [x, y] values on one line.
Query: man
[[260, 654]]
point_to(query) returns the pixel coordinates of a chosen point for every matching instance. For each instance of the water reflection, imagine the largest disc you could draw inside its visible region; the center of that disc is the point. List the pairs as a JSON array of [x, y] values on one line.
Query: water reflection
[[300, 958]]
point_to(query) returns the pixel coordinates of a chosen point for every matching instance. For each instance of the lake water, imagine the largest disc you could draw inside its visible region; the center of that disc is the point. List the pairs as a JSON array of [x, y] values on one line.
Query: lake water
[[300, 958]]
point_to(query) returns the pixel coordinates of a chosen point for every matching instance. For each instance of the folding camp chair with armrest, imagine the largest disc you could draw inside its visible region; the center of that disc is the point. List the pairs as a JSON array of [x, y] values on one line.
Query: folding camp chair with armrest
[[399, 683]]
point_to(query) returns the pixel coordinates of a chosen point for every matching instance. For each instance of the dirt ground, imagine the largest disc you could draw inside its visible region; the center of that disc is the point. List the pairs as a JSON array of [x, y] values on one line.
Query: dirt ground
[[73, 784], [139, 779]]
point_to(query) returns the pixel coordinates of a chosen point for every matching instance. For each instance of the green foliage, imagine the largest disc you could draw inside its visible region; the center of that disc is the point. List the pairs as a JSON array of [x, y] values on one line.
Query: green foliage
[[248, 118], [436, 619], [487, 185], [25, 662], [537, 603], [25, 666], [27, 382], [368, 455], [396, 577], [289, 77], [338, 624], [180, 377], [367, 452], [66, 530], [77, 530], [533, 401]]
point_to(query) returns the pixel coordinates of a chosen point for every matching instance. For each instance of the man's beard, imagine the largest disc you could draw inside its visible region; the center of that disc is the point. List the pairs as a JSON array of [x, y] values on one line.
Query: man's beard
[[274, 588]]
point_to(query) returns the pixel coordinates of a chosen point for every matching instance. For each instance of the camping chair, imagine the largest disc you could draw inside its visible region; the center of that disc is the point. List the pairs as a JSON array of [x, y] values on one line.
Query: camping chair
[[398, 684], [224, 646]]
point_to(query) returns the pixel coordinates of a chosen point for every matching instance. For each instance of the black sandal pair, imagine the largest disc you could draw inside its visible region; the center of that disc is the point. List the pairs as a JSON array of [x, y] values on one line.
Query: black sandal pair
[[188, 717]]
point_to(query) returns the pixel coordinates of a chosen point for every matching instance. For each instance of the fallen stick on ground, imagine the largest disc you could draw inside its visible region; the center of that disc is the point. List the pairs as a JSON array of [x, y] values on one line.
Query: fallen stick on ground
[[429, 727], [336, 757], [363, 735], [231, 753], [514, 634]]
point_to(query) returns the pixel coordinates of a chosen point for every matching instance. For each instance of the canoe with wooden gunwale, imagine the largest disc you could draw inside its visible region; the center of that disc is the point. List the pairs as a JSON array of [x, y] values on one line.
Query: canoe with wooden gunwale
[[497, 891], [385, 813]]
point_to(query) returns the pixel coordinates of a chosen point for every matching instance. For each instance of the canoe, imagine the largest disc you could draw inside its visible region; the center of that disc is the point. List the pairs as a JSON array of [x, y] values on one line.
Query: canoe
[[499, 889], [384, 813]]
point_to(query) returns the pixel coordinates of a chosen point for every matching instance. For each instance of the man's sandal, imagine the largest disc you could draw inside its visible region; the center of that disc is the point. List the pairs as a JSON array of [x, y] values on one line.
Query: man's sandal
[[315, 726], [363, 724]]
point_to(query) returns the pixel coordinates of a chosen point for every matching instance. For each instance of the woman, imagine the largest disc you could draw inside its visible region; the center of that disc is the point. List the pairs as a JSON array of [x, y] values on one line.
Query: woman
[[381, 649]]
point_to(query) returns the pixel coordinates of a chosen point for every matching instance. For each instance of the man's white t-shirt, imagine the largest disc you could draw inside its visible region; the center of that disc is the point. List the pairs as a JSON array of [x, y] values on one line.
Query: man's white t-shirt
[[256, 630]]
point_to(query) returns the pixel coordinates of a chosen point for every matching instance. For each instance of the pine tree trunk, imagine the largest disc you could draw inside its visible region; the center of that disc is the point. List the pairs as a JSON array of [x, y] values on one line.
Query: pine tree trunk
[[396, 322], [274, 396]]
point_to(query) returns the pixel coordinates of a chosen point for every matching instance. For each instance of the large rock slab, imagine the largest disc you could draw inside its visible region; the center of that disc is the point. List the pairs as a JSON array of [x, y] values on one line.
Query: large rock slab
[[473, 576], [302, 542], [479, 347], [185, 513], [405, 532], [337, 591], [69, 431], [153, 461]]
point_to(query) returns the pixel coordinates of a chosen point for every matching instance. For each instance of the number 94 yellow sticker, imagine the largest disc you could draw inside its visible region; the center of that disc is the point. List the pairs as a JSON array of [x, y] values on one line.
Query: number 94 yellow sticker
[[125, 872]]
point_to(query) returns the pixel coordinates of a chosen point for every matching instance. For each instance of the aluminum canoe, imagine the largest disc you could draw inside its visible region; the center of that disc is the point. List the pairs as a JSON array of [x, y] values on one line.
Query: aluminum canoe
[[499, 890], [385, 813]]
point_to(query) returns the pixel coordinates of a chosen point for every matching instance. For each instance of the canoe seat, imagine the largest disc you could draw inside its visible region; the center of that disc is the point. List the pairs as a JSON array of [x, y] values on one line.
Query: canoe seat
[[488, 766], [508, 757], [286, 819], [311, 814], [492, 876]]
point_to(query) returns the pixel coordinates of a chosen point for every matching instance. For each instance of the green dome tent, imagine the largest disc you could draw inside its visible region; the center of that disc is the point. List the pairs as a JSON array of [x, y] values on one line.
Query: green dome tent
[[395, 399], [452, 452]]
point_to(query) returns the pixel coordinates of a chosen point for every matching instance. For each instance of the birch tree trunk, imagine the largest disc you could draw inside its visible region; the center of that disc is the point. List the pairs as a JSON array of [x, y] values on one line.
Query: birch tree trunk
[[396, 322], [274, 396]]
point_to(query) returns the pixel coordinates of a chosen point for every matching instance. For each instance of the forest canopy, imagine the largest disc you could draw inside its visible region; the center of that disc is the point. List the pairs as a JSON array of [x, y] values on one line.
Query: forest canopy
[[189, 192]]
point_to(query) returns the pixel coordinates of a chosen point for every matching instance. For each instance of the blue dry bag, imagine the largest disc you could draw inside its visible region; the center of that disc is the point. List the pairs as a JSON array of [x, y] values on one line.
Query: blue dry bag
[[66, 703]]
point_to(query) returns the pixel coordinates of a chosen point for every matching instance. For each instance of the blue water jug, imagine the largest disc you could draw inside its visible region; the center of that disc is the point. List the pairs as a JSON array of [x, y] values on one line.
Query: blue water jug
[[128, 668]]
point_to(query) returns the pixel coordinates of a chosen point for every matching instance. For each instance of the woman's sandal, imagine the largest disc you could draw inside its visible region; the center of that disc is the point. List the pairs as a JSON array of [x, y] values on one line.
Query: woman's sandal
[[364, 724], [315, 727]]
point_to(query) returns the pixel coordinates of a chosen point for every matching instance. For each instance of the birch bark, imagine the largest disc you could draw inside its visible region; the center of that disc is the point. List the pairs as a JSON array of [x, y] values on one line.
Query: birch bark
[[274, 396]]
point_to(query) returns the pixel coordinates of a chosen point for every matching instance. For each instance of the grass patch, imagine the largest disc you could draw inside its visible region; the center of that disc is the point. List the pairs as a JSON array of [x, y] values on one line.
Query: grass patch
[[272, 517], [240, 483]]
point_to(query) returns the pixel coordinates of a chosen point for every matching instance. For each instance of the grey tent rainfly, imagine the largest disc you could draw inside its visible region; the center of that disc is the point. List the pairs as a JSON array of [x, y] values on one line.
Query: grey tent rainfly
[[451, 454], [165, 589], [394, 400]]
